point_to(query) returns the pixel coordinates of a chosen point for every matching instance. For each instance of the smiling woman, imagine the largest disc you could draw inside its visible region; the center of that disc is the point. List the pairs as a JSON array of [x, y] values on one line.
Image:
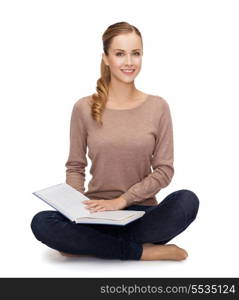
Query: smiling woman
[[127, 133], [121, 63]]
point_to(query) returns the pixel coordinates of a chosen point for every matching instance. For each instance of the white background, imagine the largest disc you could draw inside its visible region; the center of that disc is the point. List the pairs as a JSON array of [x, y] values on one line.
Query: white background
[[50, 57]]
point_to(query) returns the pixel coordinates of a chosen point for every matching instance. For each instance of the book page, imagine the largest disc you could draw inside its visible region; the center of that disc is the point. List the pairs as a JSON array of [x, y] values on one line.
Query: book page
[[63, 197], [113, 214], [68, 201]]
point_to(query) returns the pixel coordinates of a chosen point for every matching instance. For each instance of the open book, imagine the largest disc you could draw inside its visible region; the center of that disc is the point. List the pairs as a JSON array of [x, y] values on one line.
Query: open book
[[68, 201]]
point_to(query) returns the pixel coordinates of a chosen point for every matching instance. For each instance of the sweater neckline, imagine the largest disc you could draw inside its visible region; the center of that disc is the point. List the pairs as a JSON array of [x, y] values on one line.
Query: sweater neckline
[[129, 109]]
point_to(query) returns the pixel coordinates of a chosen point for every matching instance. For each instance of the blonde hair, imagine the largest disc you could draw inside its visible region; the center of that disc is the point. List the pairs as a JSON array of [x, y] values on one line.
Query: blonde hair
[[99, 98]]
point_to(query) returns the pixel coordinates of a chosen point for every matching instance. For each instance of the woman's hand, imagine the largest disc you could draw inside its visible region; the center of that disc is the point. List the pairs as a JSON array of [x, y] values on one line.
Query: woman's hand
[[103, 205]]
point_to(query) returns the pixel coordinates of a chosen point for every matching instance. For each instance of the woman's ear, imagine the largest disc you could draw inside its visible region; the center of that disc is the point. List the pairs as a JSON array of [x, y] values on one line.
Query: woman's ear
[[105, 59]]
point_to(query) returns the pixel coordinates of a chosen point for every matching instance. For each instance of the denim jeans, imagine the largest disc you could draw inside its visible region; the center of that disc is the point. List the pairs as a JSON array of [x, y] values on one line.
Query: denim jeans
[[158, 225]]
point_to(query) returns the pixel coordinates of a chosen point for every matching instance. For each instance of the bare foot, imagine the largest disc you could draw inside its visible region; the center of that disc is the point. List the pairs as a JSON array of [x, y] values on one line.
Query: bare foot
[[163, 252]]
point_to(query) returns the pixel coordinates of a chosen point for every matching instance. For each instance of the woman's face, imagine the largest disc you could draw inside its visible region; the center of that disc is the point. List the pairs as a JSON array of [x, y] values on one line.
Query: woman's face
[[124, 53]]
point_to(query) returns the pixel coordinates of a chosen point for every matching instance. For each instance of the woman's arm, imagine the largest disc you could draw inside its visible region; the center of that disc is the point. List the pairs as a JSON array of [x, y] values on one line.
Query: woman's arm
[[162, 163], [77, 161]]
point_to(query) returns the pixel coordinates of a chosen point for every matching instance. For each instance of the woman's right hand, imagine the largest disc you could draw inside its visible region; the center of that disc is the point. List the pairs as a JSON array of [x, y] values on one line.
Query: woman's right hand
[[102, 205]]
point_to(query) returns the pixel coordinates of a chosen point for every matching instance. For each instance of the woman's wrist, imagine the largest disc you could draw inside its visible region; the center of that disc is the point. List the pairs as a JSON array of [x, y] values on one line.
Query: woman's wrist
[[123, 201]]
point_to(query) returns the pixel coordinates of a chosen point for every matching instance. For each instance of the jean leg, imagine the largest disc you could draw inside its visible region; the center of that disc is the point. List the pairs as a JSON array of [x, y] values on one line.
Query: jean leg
[[166, 220], [59, 233]]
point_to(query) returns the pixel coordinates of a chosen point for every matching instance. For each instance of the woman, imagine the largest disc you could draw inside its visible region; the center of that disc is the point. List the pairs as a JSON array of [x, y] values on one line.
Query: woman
[[126, 132]]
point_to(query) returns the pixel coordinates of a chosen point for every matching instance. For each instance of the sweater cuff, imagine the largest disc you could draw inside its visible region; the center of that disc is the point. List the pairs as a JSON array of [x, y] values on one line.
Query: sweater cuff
[[130, 199]]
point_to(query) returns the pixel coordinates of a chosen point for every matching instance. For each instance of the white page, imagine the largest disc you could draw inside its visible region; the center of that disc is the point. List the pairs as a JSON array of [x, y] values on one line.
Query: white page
[[113, 214], [67, 199], [64, 196]]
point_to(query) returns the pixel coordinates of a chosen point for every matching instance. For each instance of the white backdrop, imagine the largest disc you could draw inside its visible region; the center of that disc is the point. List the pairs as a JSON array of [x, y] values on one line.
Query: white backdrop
[[50, 57]]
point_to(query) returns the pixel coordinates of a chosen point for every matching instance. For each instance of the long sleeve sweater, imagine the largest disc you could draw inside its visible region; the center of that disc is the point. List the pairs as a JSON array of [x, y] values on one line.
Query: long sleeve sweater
[[122, 151]]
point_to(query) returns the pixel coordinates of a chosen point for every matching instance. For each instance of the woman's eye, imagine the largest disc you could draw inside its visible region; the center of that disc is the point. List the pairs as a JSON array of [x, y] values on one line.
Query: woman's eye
[[118, 54]]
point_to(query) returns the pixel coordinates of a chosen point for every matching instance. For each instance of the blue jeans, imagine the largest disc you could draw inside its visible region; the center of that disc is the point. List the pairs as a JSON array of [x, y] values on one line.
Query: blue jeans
[[158, 225]]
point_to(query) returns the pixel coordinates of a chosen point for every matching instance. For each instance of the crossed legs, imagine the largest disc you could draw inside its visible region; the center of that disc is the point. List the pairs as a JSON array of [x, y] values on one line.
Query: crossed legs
[[143, 239]]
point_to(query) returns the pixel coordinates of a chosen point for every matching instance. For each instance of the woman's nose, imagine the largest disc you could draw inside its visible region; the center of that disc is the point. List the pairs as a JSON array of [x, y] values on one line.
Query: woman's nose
[[129, 60]]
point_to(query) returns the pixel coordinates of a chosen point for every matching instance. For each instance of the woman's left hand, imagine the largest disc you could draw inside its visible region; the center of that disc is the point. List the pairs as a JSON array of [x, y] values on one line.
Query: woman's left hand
[[103, 205]]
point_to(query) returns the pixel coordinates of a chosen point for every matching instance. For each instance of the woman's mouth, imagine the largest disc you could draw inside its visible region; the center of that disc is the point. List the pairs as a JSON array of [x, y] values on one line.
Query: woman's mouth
[[128, 71]]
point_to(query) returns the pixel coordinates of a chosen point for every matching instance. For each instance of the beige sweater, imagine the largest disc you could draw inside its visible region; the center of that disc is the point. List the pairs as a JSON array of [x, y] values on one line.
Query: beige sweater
[[122, 151]]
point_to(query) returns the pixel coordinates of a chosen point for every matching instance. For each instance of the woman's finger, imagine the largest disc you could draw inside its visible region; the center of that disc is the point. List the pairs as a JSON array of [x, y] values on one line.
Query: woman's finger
[[96, 207], [102, 209], [99, 208], [92, 205]]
